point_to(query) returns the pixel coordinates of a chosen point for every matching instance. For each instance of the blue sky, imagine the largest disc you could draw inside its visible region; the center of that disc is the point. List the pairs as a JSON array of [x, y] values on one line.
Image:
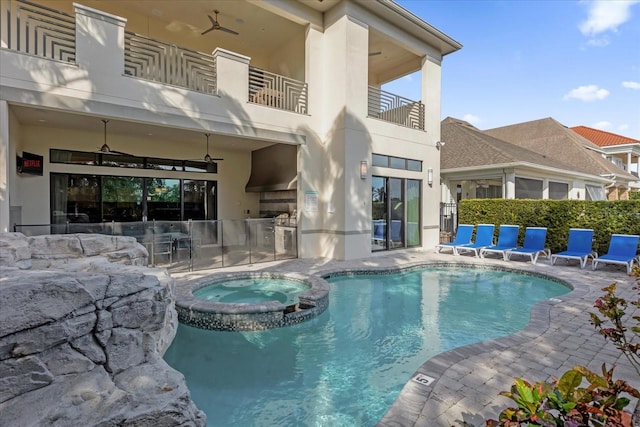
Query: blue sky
[[575, 61]]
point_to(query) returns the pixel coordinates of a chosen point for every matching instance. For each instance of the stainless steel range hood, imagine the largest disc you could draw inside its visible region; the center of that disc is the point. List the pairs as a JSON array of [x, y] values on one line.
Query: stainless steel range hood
[[273, 168]]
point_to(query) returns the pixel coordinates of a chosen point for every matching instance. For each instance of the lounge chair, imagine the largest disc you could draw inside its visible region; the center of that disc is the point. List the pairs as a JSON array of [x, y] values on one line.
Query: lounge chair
[[484, 238], [578, 247], [534, 240], [463, 237], [622, 250], [507, 240]]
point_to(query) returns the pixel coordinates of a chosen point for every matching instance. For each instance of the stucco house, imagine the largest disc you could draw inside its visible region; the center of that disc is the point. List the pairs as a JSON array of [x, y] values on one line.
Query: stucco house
[[223, 110], [541, 159], [623, 151]]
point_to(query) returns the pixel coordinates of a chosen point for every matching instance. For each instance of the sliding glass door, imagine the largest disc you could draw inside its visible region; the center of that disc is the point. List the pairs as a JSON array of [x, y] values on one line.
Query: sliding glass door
[[395, 213]]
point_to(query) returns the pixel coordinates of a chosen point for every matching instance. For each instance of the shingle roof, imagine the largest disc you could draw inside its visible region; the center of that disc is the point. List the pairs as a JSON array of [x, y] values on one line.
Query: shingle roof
[[602, 138], [550, 138], [467, 146]]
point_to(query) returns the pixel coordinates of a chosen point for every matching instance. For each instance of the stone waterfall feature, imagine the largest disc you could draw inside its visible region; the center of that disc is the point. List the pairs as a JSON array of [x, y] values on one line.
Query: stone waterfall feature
[[83, 326]]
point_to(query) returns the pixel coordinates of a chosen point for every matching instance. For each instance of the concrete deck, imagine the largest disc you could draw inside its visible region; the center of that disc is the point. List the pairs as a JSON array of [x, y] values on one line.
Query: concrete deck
[[467, 380]]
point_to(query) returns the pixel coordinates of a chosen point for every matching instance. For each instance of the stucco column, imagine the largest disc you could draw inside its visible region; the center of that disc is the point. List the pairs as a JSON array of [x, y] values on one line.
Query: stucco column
[[232, 75], [100, 45], [4, 171], [629, 162], [509, 183]]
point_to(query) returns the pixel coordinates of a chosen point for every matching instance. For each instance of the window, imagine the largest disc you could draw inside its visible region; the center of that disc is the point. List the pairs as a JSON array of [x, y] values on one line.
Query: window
[[128, 161], [595, 192], [558, 190], [488, 192], [96, 198], [396, 162], [528, 188]]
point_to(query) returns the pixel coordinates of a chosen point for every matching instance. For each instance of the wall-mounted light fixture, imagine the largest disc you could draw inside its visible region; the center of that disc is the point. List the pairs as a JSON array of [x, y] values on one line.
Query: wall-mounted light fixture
[[430, 177], [439, 144], [364, 169]]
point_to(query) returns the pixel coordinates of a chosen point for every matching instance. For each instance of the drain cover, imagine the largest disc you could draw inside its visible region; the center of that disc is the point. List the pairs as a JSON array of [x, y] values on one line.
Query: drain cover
[[423, 379], [555, 300]]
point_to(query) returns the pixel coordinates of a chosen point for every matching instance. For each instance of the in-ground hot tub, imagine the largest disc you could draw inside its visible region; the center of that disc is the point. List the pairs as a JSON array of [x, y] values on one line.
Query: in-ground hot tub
[[250, 301]]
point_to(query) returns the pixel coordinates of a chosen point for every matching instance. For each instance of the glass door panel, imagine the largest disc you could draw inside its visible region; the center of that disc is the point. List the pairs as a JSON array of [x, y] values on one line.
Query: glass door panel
[[413, 212], [122, 198], [163, 199], [378, 213], [396, 212]]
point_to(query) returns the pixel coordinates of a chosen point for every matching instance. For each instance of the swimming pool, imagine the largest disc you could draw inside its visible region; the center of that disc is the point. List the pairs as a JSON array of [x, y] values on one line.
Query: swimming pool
[[346, 366]]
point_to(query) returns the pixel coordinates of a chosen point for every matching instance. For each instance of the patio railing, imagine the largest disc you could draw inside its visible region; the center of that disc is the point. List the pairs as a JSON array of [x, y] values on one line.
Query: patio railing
[[167, 63], [277, 91], [395, 109], [195, 245], [38, 30]]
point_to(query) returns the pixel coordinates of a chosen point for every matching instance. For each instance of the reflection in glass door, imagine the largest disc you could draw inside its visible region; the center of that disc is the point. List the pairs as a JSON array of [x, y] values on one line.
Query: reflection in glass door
[[396, 209], [379, 213]]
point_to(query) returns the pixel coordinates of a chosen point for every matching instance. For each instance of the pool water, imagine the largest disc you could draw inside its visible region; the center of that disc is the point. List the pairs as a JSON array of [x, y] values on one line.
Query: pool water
[[347, 366], [252, 291]]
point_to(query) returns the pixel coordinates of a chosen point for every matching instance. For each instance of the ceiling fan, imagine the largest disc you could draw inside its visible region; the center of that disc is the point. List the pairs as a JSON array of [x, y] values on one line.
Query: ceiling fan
[[215, 26], [105, 149], [207, 157]]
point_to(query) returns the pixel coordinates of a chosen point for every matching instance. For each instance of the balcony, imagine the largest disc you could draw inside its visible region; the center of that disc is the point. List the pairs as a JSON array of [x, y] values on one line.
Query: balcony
[[47, 33], [395, 109]]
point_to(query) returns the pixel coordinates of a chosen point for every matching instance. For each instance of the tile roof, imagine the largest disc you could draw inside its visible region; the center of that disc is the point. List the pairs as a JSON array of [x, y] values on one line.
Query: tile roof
[[602, 138]]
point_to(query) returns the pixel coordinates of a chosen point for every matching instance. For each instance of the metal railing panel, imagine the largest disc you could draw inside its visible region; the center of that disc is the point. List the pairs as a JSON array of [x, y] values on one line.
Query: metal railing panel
[[37, 30], [277, 91], [395, 109], [163, 62]]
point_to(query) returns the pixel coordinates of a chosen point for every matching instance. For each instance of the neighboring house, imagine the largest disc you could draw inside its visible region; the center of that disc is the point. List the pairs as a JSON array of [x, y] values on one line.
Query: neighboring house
[[112, 111], [623, 151], [535, 160]]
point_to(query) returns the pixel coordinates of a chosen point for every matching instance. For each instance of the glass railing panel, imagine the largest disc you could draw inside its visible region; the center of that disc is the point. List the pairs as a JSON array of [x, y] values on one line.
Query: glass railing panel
[[206, 251], [261, 232]]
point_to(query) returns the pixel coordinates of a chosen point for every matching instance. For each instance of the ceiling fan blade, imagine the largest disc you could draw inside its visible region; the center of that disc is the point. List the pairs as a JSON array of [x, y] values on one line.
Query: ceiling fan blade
[[206, 31], [375, 53], [227, 30], [213, 21]]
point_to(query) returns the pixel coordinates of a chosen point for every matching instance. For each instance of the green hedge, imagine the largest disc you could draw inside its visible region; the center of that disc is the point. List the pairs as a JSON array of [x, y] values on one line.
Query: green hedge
[[605, 218]]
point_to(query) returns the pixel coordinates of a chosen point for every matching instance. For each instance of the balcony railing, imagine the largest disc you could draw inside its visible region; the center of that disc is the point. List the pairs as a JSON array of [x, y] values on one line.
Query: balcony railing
[[277, 91], [395, 109], [38, 30], [167, 63]]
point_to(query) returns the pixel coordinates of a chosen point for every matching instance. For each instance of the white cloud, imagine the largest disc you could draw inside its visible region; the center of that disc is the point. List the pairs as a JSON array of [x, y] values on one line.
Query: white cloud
[[474, 120], [601, 42], [587, 93], [623, 127], [606, 15], [602, 125], [631, 85]]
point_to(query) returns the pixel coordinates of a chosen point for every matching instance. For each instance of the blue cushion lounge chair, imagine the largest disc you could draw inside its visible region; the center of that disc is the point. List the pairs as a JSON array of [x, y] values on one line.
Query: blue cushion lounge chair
[[534, 240], [622, 250], [463, 237], [578, 246], [507, 240], [484, 238]]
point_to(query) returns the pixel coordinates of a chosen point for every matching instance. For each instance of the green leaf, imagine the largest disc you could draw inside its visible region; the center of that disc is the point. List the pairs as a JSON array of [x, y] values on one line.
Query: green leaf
[[568, 382]]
